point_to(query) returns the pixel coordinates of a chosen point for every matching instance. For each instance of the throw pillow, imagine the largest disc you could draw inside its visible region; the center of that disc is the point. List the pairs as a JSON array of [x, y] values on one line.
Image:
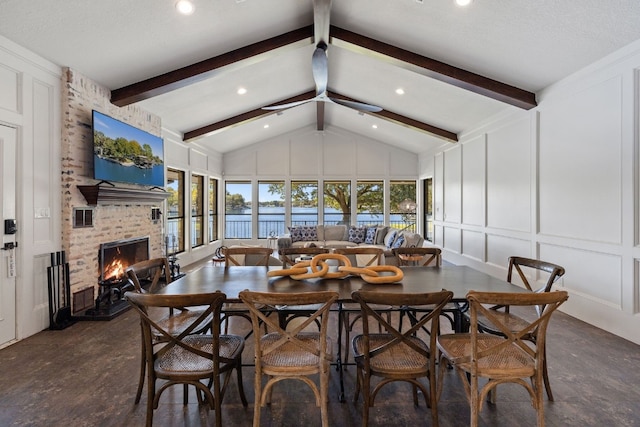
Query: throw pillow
[[370, 238], [357, 234], [389, 238], [397, 243], [303, 233], [381, 232]]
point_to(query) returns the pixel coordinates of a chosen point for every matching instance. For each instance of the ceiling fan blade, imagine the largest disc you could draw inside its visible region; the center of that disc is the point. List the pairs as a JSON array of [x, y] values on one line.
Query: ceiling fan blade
[[289, 105], [321, 15], [320, 68], [357, 105]]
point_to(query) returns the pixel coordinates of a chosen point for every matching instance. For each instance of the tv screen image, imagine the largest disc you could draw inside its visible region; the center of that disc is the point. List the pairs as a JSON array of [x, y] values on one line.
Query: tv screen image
[[124, 153]]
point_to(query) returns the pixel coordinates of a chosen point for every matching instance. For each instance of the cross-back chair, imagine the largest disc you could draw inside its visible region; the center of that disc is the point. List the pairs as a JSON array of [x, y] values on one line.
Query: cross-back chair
[[242, 256], [418, 256], [155, 274], [501, 359], [394, 355], [292, 353], [288, 255], [188, 358], [247, 255], [349, 314], [525, 268]]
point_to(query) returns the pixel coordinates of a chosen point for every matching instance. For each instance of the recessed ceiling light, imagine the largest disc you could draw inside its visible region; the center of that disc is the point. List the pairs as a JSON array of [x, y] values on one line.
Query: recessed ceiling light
[[463, 2], [242, 91], [374, 126], [400, 91], [185, 7], [266, 126]]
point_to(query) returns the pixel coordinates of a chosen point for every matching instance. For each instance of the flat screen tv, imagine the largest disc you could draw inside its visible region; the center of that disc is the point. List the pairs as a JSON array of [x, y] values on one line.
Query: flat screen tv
[[124, 153]]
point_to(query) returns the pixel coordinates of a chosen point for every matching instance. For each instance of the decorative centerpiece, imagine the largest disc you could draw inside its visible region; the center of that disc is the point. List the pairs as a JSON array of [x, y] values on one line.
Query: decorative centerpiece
[[318, 267]]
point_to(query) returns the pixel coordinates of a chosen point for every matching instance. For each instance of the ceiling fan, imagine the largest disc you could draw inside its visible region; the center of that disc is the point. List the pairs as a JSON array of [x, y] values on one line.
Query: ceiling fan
[[320, 64]]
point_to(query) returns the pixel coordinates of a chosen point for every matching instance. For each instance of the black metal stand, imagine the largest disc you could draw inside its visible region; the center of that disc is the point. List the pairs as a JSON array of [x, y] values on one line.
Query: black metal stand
[[59, 292]]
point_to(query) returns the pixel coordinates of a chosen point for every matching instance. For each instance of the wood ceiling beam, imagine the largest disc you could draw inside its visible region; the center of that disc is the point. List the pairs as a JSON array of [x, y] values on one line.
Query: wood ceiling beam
[[240, 119], [406, 121], [432, 68], [203, 70], [320, 115]]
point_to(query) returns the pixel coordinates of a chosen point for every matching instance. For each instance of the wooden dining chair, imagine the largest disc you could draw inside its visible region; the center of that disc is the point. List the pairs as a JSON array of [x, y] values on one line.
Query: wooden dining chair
[[292, 353], [420, 257], [188, 358], [501, 359], [150, 276], [288, 255], [242, 256], [394, 355], [529, 271], [349, 313], [247, 255]]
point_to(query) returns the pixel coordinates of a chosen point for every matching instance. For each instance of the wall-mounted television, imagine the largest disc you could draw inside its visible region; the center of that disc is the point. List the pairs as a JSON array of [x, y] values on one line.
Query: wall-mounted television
[[124, 153]]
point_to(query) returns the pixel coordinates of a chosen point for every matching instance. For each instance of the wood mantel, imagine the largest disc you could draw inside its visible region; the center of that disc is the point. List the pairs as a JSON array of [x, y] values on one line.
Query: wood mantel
[[107, 195]]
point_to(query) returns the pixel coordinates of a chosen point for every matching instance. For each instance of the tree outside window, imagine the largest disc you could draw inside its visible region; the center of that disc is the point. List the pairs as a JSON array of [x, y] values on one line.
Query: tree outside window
[[271, 207], [197, 210], [370, 202], [337, 202], [175, 211], [402, 200], [213, 209], [237, 210]]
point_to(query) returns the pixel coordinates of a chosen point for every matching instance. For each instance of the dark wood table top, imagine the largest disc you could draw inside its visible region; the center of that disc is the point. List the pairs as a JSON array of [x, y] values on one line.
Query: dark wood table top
[[231, 280]]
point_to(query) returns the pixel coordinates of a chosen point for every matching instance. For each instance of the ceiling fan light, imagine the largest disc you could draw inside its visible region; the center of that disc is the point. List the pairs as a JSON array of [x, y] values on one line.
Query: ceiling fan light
[[185, 7]]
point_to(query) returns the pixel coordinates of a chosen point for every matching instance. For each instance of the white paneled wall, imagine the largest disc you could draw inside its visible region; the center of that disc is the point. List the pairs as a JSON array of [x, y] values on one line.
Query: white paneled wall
[[558, 183]]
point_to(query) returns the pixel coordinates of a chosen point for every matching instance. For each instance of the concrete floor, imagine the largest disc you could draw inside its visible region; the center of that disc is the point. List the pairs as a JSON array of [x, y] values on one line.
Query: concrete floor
[[86, 375]]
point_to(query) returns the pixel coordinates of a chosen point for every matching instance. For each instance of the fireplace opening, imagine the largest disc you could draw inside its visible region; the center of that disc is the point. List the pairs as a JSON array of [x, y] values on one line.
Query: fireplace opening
[[115, 257], [113, 260]]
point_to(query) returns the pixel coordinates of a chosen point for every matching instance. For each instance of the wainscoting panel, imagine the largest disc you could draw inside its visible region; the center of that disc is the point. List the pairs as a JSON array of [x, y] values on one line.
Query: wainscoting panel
[[581, 195], [473, 245], [500, 248], [508, 176], [594, 275], [9, 88], [452, 239], [453, 185], [473, 181]]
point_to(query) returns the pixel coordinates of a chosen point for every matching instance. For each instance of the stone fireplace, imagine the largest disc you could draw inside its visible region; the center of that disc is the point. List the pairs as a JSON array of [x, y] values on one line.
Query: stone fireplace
[[112, 221]]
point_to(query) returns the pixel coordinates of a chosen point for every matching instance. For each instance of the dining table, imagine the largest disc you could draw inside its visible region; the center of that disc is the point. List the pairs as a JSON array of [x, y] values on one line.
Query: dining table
[[231, 280]]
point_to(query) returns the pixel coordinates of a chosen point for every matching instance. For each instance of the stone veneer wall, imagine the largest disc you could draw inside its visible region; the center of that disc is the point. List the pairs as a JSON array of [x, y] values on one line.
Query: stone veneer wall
[[111, 222]]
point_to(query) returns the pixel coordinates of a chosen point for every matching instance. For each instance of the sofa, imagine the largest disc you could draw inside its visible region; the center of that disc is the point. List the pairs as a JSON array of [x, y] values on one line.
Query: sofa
[[342, 236]]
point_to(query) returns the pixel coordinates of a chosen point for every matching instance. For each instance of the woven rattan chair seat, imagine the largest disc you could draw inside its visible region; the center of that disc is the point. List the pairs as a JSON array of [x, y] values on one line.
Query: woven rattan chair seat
[[290, 356], [177, 359], [398, 360], [510, 362]]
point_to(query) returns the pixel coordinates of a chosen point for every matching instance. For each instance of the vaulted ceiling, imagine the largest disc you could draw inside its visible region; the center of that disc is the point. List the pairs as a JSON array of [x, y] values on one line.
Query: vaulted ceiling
[[457, 66]]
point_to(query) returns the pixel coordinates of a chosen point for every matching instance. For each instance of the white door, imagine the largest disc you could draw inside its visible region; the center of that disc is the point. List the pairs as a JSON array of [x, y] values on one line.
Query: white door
[[7, 256]]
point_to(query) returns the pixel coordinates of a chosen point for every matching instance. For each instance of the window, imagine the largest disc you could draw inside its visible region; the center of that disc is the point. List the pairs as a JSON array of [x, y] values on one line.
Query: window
[[304, 202], [402, 199], [337, 202], [197, 210], [175, 214], [213, 209], [428, 208], [237, 210], [370, 202], [270, 208]]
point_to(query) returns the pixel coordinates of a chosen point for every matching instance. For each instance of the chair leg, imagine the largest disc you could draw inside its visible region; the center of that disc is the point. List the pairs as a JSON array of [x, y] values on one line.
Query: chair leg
[[257, 383], [243, 398], [324, 393], [545, 377], [143, 367]]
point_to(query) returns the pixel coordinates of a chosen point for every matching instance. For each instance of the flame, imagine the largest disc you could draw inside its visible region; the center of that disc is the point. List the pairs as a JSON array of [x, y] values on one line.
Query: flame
[[115, 270]]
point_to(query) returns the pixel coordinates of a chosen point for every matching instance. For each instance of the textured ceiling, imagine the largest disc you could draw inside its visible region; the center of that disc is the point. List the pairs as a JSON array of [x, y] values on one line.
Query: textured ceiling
[[523, 43]]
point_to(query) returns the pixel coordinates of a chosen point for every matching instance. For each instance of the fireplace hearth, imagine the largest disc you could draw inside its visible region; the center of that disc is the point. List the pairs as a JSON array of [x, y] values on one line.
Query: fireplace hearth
[[113, 260]]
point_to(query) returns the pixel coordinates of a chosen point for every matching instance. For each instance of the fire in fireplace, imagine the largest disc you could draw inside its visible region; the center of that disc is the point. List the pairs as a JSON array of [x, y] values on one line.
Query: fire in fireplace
[[115, 257], [113, 260]]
